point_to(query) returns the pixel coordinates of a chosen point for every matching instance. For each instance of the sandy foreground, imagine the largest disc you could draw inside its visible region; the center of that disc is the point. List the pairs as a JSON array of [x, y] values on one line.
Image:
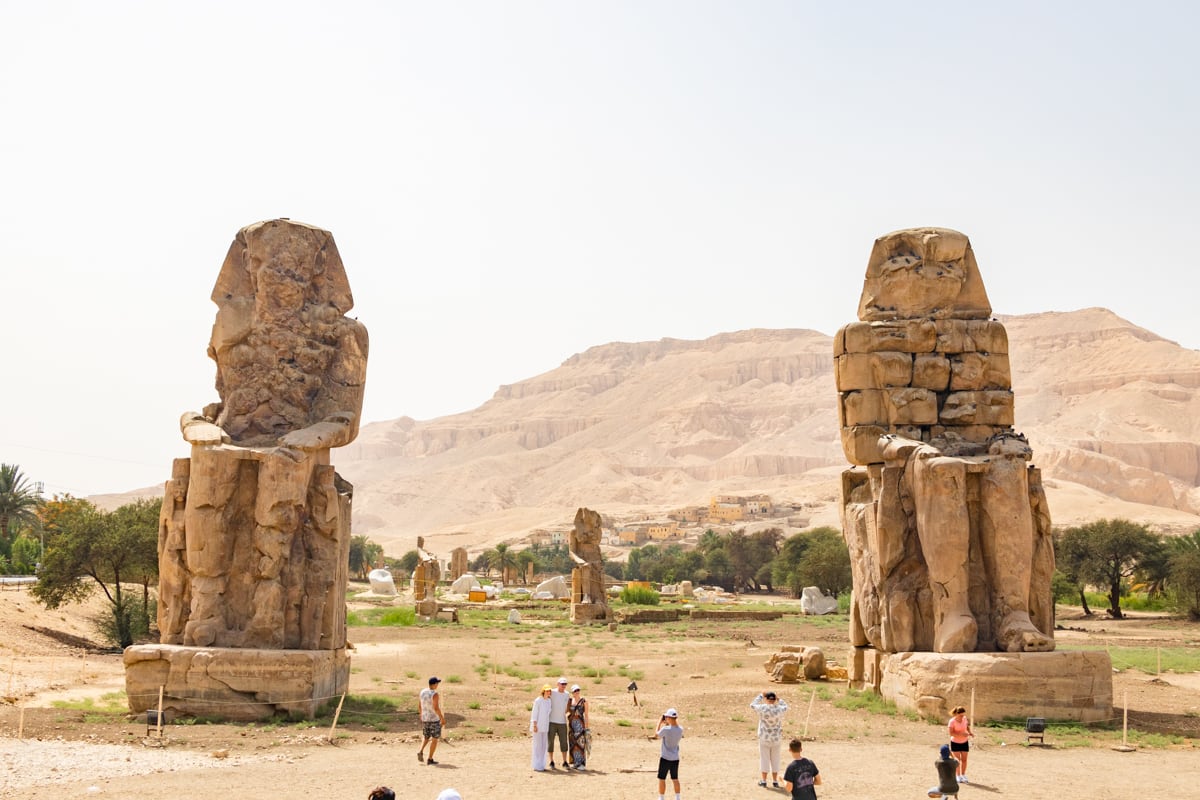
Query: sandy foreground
[[710, 671]]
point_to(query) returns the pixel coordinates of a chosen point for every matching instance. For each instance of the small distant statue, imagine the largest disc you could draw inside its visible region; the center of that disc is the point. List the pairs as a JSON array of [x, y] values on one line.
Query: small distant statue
[[255, 525], [948, 525], [426, 576], [588, 599]]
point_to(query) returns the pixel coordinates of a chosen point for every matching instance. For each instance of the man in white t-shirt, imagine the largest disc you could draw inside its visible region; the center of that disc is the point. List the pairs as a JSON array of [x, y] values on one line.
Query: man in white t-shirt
[[559, 700], [432, 719]]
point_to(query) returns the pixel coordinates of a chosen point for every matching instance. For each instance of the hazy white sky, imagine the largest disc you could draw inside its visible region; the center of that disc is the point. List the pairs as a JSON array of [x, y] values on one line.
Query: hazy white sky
[[510, 183]]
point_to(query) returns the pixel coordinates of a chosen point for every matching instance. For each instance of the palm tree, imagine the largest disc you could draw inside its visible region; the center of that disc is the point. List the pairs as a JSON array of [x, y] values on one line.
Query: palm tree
[[19, 501], [502, 559], [524, 559]]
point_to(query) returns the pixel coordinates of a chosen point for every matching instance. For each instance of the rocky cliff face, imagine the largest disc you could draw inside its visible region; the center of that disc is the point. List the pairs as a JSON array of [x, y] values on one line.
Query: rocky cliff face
[[653, 425]]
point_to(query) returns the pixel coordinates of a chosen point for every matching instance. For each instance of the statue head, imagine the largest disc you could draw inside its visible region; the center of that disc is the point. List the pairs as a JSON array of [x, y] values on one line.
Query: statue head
[[923, 273]]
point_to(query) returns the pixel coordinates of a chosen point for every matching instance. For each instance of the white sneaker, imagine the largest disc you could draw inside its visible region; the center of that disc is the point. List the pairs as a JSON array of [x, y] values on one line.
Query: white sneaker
[[963, 779]]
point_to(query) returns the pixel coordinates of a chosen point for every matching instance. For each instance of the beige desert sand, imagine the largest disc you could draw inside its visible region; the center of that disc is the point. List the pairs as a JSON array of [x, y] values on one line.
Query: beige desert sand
[[709, 670]]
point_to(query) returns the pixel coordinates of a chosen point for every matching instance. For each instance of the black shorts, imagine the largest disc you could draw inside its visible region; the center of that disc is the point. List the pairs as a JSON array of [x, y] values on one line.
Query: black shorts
[[960, 747], [666, 768]]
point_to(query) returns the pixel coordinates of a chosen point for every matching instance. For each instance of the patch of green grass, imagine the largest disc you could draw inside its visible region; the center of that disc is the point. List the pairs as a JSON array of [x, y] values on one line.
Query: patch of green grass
[[737, 718], [633, 674], [368, 709], [483, 729], [624, 723], [411, 675], [109, 703], [515, 671], [866, 701], [453, 679], [1147, 659], [498, 717], [305, 724], [736, 665], [381, 618], [544, 661], [473, 705]]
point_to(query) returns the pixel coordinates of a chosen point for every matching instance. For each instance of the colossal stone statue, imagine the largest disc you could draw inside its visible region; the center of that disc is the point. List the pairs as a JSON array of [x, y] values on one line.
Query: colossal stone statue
[[947, 524], [255, 528], [588, 600]]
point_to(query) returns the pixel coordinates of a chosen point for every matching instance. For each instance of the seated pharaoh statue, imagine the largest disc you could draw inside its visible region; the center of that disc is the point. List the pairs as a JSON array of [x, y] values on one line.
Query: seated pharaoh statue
[[947, 523], [255, 526]]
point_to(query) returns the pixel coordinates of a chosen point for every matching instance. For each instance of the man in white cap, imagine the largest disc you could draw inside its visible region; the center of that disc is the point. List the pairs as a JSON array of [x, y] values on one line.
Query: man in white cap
[[559, 700], [670, 732]]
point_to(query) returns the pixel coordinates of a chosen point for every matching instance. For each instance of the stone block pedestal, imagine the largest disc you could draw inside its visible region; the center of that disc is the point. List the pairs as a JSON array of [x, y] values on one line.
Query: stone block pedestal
[[234, 683], [1059, 685]]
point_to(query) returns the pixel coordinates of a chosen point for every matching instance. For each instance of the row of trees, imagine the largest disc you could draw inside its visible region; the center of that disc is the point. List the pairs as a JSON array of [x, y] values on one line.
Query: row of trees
[[1118, 556], [747, 562]]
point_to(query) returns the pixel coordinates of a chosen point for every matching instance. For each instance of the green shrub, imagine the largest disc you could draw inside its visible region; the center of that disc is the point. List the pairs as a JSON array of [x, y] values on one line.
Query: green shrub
[[639, 596]]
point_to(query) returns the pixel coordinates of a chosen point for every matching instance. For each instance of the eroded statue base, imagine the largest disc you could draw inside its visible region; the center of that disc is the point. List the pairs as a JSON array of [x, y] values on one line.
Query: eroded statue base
[[234, 683], [1060, 685]]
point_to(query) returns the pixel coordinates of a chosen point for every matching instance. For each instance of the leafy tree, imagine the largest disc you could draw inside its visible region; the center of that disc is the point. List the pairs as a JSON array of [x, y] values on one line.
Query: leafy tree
[[502, 559], [1109, 551], [1183, 575], [825, 563], [25, 554], [19, 502], [86, 548], [614, 569], [525, 559], [363, 555], [1071, 553], [409, 561]]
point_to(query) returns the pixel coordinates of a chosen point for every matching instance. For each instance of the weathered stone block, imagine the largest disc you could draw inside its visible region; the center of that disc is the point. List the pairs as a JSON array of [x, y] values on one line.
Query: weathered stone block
[[872, 370], [902, 336], [911, 406], [861, 444], [864, 408], [970, 371], [931, 371], [971, 335], [1060, 685], [990, 407], [234, 683]]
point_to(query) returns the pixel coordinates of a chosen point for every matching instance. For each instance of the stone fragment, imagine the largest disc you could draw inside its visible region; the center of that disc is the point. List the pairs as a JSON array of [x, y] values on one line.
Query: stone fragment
[[815, 602]]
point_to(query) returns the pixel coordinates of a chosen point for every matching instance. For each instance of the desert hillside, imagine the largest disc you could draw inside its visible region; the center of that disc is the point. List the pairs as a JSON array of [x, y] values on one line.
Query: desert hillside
[[634, 430]]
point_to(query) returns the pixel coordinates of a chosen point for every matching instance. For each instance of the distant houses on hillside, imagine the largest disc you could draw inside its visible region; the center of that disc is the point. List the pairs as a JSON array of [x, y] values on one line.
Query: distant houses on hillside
[[722, 510]]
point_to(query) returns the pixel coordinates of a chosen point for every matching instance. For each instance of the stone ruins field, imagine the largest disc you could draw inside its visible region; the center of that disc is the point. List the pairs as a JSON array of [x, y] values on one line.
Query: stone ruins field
[[708, 670]]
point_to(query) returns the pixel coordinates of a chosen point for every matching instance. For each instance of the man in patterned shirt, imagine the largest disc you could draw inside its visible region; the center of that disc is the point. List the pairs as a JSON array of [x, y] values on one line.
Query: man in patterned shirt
[[770, 710]]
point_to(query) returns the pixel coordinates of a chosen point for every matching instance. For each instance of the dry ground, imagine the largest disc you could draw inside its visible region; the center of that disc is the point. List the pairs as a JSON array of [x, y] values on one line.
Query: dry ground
[[708, 670]]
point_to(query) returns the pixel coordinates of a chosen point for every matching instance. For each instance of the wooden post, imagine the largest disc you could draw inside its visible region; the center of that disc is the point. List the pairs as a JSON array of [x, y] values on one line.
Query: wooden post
[[1125, 720], [336, 714], [158, 725], [812, 698]]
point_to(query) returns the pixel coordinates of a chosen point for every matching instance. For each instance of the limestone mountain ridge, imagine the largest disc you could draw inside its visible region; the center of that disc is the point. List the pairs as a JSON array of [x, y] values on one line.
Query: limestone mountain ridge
[[635, 430]]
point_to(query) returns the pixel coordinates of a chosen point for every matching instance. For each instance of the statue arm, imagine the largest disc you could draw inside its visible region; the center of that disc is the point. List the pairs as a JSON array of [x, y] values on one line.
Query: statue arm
[[199, 430], [335, 430]]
